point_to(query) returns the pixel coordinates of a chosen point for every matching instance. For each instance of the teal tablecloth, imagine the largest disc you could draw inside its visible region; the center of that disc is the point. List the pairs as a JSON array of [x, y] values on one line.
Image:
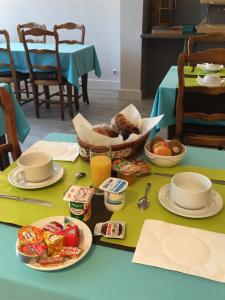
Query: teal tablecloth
[[76, 60], [164, 103], [22, 125], [105, 273]]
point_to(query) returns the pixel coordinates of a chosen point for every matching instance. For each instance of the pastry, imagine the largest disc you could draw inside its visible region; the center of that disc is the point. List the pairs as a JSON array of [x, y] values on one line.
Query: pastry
[[105, 130], [125, 127]]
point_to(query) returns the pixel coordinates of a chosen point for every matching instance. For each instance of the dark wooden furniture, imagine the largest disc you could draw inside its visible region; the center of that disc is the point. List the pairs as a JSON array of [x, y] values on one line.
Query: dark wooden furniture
[[84, 78], [44, 74], [212, 38], [31, 25], [11, 76], [208, 104], [26, 26], [12, 144]]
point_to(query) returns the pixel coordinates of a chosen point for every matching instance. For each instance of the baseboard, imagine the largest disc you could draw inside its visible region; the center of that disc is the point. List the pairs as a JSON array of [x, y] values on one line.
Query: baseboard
[[103, 84], [130, 94]]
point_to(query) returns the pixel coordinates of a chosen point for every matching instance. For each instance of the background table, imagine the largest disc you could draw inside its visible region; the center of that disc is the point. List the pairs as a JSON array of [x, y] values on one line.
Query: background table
[[76, 60], [165, 99], [105, 273]]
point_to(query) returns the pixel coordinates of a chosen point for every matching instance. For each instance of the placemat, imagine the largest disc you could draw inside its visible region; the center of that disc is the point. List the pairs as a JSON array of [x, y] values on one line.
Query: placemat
[[20, 213], [134, 218]]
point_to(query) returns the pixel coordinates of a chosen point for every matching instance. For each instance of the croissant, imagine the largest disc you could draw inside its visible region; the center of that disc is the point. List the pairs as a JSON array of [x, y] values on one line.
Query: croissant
[[125, 127]]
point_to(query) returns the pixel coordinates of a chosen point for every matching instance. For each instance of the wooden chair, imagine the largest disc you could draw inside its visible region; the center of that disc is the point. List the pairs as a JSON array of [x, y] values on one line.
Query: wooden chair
[[45, 74], [208, 104], [25, 26], [214, 38], [12, 145], [11, 76], [80, 40], [30, 25]]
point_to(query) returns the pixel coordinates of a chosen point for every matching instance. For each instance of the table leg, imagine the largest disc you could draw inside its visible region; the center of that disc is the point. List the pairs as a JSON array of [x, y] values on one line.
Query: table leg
[[4, 159], [84, 83]]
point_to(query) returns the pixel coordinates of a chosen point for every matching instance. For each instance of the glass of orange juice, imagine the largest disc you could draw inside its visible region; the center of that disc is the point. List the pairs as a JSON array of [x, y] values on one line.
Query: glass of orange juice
[[100, 163]]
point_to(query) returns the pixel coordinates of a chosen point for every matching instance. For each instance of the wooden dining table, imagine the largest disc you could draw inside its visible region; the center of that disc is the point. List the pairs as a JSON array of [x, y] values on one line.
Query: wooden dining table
[[105, 272], [165, 97], [76, 60]]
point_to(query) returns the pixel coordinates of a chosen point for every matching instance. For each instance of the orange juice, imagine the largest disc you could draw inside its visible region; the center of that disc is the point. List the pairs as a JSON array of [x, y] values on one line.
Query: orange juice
[[100, 169]]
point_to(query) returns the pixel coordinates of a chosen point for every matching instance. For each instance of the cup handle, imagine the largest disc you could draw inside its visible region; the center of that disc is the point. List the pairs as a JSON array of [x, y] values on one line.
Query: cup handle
[[20, 176]]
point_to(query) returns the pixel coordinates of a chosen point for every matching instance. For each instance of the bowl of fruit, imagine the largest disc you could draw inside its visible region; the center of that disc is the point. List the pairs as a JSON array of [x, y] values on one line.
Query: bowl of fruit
[[165, 153]]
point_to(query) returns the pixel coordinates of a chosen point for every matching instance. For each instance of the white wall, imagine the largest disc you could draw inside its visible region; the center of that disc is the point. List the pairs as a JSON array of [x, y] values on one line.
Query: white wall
[[131, 29], [101, 18]]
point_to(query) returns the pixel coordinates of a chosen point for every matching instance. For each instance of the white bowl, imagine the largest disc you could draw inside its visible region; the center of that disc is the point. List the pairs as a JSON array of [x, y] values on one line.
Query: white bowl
[[164, 161], [212, 67], [212, 79], [190, 190]]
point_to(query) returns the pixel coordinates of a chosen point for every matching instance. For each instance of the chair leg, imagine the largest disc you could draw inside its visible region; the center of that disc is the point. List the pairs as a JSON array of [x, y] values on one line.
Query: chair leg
[[69, 96], [76, 98], [84, 84], [36, 100], [61, 101], [47, 95], [26, 88], [17, 89]]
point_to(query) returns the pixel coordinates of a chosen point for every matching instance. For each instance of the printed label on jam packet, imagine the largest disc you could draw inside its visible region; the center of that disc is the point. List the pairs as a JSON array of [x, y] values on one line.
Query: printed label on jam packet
[[110, 229]]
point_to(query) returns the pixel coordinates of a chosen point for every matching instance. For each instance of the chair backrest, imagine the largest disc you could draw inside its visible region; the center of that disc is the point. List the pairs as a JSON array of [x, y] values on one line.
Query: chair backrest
[[31, 25], [9, 62], [215, 56], [53, 54], [213, 38], [71, 26], [12, 145]]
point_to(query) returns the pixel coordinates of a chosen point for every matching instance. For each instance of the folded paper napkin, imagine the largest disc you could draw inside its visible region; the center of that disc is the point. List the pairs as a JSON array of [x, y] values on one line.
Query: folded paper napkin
[[58, 150], [179, 248]]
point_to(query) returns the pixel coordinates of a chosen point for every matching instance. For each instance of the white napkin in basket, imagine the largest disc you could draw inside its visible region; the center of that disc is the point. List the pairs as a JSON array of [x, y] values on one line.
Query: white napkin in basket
[[86, 134], [183, 249]]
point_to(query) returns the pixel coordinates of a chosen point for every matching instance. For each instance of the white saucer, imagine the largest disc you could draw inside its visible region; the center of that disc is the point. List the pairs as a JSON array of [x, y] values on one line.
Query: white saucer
[[212, 69], [214, 206], [57, 174], [200, 81]]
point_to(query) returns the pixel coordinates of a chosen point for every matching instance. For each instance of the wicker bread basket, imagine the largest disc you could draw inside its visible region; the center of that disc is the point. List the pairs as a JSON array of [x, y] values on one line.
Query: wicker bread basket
[[125, 150]]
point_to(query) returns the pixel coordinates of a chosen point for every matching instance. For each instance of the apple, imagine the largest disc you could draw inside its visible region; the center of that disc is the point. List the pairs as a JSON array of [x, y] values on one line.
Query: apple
[[162, 150], [160, 143]]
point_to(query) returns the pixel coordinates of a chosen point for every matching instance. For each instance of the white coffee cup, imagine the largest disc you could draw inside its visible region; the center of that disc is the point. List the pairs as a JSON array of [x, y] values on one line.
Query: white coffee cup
[[35, 166], [190, 190]]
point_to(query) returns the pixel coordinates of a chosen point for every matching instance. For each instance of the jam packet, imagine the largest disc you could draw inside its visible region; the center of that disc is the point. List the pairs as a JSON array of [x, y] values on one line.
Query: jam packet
[[126, 167], [110, 229]]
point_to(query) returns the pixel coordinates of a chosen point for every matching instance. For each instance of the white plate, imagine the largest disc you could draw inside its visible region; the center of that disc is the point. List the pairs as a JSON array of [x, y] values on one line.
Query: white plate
[[85, 242], [205, 68], [57, 174], [199, 80], [214, 206]]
